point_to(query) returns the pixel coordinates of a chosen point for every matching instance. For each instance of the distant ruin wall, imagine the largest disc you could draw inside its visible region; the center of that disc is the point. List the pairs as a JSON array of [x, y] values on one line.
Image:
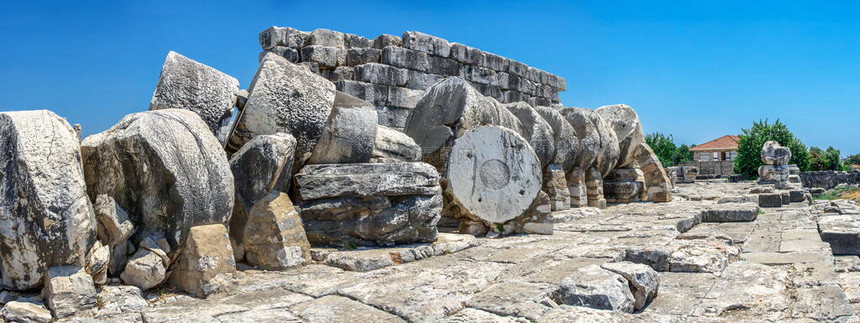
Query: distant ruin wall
[[392, 72], [829, 179], [724, 168]]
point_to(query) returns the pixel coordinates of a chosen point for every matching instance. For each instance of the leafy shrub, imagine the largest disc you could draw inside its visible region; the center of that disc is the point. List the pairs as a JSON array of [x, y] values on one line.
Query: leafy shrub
[[667, 151], [829, 159], [752, 139]]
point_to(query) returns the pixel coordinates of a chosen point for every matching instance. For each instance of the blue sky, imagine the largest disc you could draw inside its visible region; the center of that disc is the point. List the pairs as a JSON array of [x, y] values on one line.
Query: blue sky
[[694, 69]]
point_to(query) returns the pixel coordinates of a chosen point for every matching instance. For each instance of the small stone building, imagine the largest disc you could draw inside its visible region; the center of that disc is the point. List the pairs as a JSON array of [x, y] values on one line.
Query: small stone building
[[715, 157]]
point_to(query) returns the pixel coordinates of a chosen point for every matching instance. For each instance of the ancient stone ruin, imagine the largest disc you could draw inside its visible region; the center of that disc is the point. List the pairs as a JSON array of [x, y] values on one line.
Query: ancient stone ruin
[[394, 179]]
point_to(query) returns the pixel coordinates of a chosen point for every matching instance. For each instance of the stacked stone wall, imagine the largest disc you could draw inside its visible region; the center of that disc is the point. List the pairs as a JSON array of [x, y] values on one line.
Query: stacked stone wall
[[723, 167], [829, 179], [392, 72]]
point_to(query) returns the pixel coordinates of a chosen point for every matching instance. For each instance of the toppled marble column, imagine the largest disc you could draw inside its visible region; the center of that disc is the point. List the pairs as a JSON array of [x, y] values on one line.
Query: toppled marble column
[[285, 97], [446, 111], [658, 185], [493, 175], [624, 185], [172, 158], [624, 121], [565, 140], [349, 133], [392, 146], [206, 264], [187, 84], [535, 130], [582, 179], [369, 204], [262, 166], [47, 219]]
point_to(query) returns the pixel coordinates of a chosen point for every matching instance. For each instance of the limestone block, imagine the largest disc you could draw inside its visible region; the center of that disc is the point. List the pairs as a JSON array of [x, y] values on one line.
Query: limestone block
[[394, 146], [325, 37], [187, 84], [206, 264], [481, 75], [405, 58], [393, 117], [770, 200], [644, 281], [420, 80], [274, 237], [386, 40], [145, 269], [381, 74], [98, 262], [355, 41], [283, 36], [263, 165], [376, 94], [120, 299], [517, 68], [488, 90], [285, 98], [535, 130], [114, 225], [341, 73], [494, 62], [68, 289], [555, 185], [47, 219], [349, 133], [576, 186], [596, 288], [465, 54], [392, 179], [291, 54], [24, 311], [730, 213], [628, 129], [566, 142], [493, 174], [358, 56], [426, 43], [401, 97], [172, 159], [442, 66], [774, 154], [452, 102], [325, 56]]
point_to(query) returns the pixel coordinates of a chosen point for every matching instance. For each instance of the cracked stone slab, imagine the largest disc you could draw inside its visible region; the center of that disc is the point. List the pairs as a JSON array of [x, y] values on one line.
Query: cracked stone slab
[[341, 309]]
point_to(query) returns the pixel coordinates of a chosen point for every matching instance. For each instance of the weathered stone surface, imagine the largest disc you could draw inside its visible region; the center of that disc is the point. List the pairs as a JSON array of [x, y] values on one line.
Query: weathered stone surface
[[336, 308], [187, 84], [535, 130], [405, 58], [291, 54], [325, 56], [730, 213], [556, 187], [386, 40], [426, 43], [47, 219], [628, 129], [452, 102], [493, 174], [171, 159], [394, 146], [263, 165], [586, 133], [25, 312], [349, 134], [325, 37], [842, 232], [774, 154], [381, 74], [285, 98], [121, 299], [566, 142], [770, 200], [282, 36], [206, 264], [392, 179], [114, 226], [274, 237], [644, 281], [68, 289], [98, 262], [145, 269], [596, 288]]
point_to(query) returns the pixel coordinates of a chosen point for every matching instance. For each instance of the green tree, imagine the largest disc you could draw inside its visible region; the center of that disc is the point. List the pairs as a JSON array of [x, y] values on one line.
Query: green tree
[[830, 159], [853, 160], [682, 155], [663, 147], [751, 141]]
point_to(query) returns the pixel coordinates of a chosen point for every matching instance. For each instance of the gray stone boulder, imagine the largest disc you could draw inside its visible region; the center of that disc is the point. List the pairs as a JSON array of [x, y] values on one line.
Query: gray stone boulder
[[596, 288], [26, 312], [535, 130], [98, 262], [369, 204], [262, 166], [493, 175], [274, 237], [566, 142], [187, 84], [68, 289], [155, 165], [285, 97], [774, 154], [349, 134], [642, 279], [47, 218], [446, 111], [145, 269], [394, 146], [628, 129]]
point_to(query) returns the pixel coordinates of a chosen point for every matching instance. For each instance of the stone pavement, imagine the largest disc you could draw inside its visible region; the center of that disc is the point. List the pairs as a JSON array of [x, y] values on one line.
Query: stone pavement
[[775, 268]]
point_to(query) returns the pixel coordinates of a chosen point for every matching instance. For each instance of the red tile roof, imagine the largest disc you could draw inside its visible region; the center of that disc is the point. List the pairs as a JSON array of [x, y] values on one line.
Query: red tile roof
[[729, 142]]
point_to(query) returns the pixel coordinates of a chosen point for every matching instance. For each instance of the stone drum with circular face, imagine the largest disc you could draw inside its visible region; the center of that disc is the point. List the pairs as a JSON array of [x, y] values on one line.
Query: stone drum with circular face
[[493, 173]]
